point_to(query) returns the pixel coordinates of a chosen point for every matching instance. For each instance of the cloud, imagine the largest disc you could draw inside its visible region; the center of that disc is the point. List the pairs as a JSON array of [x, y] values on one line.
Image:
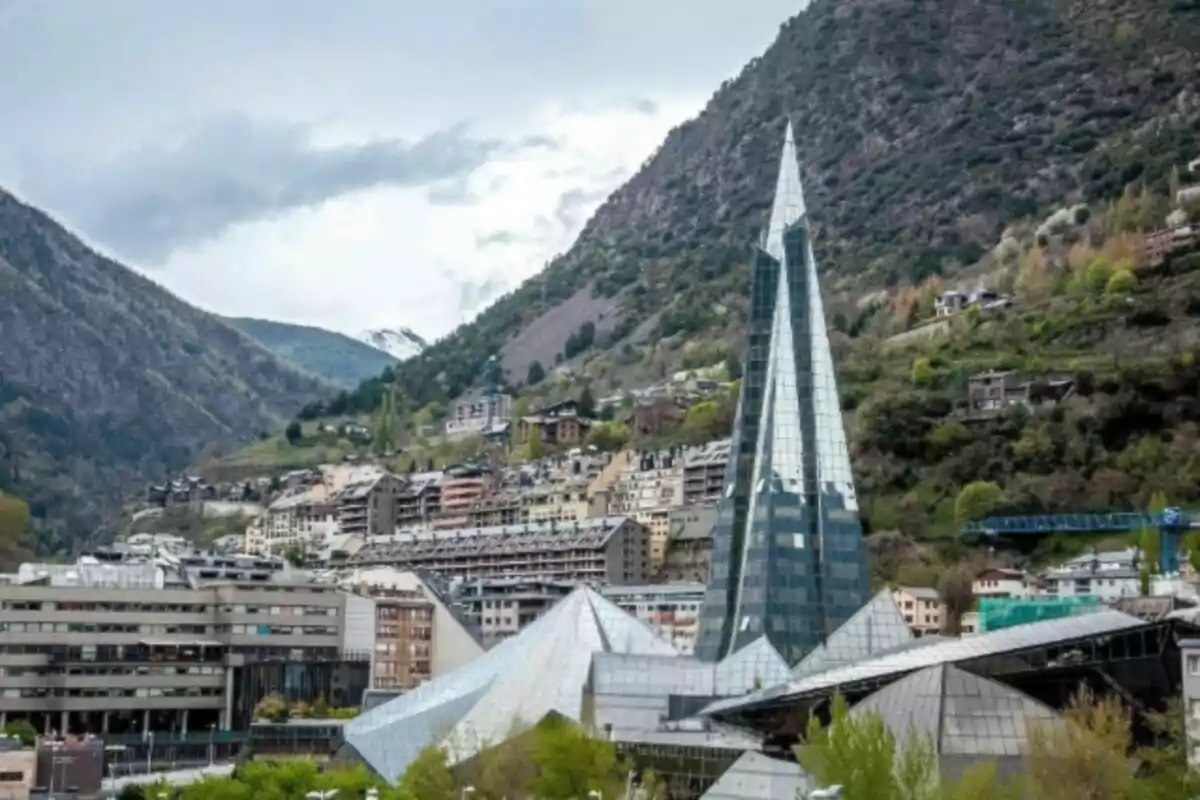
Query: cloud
[[148, 202], [495, 238]]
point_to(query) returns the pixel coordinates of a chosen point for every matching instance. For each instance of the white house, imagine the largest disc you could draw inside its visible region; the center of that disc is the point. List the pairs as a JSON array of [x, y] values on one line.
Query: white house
[[1104, 575], [1000, 582]]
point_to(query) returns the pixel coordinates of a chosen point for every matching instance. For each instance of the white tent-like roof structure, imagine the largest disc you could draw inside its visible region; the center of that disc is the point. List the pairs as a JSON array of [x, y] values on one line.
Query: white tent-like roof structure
[[540, 671]]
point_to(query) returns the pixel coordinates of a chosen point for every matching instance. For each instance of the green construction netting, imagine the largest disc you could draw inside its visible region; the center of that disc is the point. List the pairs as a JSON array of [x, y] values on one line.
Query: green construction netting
[[997, 613]]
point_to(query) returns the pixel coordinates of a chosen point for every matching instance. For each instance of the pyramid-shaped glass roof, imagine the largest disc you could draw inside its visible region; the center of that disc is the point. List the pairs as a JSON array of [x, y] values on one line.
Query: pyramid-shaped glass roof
[[755, 776], [520, 681], [961, 713], [875, 628]]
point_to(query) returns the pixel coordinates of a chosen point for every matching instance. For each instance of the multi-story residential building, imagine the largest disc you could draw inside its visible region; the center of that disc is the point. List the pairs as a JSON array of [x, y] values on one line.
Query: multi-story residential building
[[704, 473], [420, 502], [452, 642], [651, 481], [462, 488], [301, 517], [922, 608], [1104, 575], [1000, 582], [476, 414], [503, 607], [606, 550], [672, 610], [689, 544], [558, 424], [1190, 653], [120, 646], [367, 507], [403, 657]]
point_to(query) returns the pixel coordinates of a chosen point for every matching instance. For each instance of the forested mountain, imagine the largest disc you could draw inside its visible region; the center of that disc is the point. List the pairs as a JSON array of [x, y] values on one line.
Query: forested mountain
[[340, 358], [925, 127], [106, 379]]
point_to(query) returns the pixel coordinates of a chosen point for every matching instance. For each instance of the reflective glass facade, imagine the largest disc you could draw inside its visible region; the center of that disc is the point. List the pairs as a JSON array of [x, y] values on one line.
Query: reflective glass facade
[[788, 558]]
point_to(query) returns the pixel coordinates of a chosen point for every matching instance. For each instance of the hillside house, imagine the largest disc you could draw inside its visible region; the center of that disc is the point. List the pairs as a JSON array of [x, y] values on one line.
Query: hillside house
[[1158, 245], [922, 608], [989, 393], [1000, 582], [475, 414], [947, 304]]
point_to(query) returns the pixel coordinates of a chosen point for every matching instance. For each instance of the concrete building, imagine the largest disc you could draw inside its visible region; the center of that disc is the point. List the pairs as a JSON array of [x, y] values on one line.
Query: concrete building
[[135, 647], [1105, 575], [472, 415], [602, 550], [922, 608], [420, 502], [502, 607], [301, 517], [999, 582], [671, 610], [462, 488], [403, 657], [452, 643], [704, 473], [18, 769], [1190, 652]]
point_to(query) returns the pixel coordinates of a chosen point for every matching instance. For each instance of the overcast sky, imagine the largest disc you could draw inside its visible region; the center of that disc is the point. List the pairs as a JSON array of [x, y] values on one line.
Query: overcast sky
[[352, 164]]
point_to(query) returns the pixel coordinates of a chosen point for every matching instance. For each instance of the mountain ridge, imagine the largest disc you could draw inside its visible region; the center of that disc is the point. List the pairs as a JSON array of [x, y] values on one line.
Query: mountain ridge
[[342, 359], [108, 379]]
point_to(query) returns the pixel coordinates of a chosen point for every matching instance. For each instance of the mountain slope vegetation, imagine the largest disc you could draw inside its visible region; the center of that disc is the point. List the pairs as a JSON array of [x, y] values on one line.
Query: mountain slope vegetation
[[106, 379], [925, 127], [340, 358]]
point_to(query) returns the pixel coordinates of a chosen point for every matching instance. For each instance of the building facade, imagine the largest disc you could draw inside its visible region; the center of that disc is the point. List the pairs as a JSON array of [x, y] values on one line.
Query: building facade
[[671, 610], [788, 557], [403, 640], [922, 608]]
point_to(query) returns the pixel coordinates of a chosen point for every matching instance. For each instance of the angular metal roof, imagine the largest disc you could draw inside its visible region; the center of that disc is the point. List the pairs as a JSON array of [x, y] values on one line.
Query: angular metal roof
[[755, 776], [1020, 637], [520, 681]]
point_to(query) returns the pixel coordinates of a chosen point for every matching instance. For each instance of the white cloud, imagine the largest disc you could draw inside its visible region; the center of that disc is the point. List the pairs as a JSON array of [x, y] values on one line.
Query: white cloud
[[388, 257]]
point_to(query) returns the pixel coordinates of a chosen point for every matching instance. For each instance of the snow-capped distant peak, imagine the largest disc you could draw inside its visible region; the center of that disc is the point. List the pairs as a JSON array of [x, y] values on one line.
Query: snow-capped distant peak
[[399, 343]]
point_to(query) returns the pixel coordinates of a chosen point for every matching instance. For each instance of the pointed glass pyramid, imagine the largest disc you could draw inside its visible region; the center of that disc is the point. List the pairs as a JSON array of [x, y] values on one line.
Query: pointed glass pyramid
[[875, 628], [788, 559], [755, 776], [962, 714], [540, 671]]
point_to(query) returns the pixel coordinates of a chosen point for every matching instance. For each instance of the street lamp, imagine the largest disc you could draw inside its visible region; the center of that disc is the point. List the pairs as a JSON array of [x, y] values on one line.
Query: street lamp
[[212, 743], [149, 752]]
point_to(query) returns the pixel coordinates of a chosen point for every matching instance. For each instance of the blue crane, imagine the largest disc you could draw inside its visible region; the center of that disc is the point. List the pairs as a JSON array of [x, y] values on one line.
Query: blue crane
[[1172, 524]]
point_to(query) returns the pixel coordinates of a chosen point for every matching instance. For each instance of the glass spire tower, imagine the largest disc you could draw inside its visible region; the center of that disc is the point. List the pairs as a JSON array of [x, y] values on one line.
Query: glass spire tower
[[788, 559]]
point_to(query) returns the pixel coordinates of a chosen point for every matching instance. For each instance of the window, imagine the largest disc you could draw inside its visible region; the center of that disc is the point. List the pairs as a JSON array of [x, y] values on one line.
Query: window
[[1193, 665], [12, 777]]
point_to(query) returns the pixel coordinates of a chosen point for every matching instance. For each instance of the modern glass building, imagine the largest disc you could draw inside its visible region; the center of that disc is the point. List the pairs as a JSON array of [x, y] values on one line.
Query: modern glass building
[[788, 558]]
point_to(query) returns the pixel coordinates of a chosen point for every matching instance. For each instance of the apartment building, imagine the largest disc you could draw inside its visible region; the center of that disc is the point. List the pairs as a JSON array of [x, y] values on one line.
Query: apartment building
[[1108, 576], [403, 658], [704, 473], [367, 507], [452, 643], [999, 582], [134, 647], [462, 488], [671, 610], [502, 607], [922, 608], [558, 424], [475, 415], [606, 550], [302, 517], [420, 502]]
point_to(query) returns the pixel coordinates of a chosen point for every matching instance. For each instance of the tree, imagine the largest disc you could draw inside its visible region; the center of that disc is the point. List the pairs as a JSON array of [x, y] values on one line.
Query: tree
[[1121, 282], [533, 443], [958, 597], [22, 730], [587, 403], [1082, 757], [1168, 775], [571, 763], [922, 372], [608, 436], [428, 777], [272, 707], [293, 433], [535, 374], [861, 754], [976, 500]]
